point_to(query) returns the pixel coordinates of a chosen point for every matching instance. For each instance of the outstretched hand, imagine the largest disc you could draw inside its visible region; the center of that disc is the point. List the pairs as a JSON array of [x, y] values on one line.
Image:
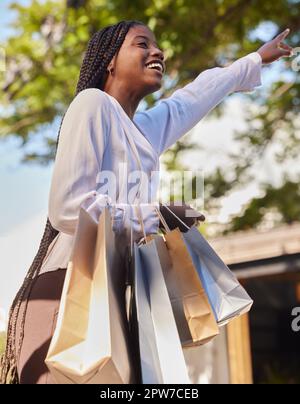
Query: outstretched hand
[[275, 49]]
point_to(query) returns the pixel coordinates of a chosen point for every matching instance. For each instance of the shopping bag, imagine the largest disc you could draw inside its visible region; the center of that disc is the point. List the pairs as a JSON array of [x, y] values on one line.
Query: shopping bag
[[193, 314], [227, 297], [162, 359], [90, 344]]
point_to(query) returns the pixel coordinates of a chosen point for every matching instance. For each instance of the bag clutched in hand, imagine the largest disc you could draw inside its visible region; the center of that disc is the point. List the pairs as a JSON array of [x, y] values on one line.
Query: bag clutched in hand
[[227, 297], [90, 344], [194, 316], [192, 310]]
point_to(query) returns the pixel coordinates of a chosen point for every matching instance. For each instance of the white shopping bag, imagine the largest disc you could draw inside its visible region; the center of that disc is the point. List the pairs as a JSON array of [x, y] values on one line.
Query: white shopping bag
[[162, 359], [90, 344]]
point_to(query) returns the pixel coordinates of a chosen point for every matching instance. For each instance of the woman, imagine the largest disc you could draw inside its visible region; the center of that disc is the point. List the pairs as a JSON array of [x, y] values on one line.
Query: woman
[[121, 66]]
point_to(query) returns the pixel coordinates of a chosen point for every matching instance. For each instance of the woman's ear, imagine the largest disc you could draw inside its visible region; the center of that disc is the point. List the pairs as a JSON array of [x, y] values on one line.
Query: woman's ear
[[110, 69], [111, 66]]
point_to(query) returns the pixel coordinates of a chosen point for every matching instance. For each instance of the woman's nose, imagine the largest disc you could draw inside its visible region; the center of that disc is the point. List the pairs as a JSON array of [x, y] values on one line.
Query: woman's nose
[[158, 53]]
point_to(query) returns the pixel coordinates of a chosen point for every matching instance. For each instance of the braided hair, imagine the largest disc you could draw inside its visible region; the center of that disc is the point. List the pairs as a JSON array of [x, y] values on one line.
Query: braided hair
[[101, 48]]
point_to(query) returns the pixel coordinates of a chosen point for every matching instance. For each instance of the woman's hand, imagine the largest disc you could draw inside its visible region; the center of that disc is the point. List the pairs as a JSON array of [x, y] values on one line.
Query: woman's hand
[[275, 49], [180, 211]]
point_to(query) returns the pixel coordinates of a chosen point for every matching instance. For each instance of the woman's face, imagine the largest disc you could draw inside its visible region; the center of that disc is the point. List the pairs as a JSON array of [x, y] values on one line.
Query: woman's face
[[138, 49]]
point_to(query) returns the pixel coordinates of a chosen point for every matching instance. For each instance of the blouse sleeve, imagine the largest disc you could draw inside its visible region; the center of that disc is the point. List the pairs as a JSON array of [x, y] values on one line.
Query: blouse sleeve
[[173, 117], [78, 161]]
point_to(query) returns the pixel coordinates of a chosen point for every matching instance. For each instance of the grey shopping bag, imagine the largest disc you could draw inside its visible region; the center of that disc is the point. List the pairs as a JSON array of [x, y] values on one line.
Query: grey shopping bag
[[227, 296]]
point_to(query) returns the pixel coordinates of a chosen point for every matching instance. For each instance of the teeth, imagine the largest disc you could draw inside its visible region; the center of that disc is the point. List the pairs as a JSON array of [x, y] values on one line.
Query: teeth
[[152, 65]]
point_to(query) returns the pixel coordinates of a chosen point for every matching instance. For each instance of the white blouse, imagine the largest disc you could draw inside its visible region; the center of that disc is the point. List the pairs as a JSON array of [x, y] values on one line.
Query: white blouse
[[93, 141]]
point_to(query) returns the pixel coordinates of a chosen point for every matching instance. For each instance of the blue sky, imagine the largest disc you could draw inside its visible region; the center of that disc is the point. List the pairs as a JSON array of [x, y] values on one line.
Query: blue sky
[[5, 17], [25, 189]]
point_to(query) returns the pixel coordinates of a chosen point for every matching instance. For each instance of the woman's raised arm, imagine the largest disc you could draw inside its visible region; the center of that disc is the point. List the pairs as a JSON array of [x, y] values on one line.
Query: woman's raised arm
[[173, 117]]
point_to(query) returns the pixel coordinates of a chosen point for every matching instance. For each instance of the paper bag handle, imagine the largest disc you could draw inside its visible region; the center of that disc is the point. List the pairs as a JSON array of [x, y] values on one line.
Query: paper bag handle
[[138, 207], [178, 218]]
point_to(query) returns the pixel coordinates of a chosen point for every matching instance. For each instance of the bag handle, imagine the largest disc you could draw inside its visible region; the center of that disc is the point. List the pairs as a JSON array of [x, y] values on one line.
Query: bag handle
[[178, 218], [162, 219], [167, 228], [138, 207]]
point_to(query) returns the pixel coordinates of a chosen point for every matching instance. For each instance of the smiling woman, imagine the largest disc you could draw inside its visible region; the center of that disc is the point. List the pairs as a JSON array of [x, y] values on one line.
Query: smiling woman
[[101, 50], [99, 132], [115, 63], [136, 70]]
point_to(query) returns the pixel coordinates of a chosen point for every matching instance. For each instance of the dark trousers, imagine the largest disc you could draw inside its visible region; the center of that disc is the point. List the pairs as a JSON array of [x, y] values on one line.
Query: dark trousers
[[40, 322]]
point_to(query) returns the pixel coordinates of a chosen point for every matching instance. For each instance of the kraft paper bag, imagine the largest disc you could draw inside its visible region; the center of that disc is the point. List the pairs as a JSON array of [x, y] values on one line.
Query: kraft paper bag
[[227, 297], [193, 314], [90, 344], [162, 359]]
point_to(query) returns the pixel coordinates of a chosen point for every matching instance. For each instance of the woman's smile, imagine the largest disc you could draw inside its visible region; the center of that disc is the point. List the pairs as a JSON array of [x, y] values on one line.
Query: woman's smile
[[156, 71]]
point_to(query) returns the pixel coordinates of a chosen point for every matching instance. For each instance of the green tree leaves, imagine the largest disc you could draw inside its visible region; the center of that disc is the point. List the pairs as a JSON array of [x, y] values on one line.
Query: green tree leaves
[[46, 51]]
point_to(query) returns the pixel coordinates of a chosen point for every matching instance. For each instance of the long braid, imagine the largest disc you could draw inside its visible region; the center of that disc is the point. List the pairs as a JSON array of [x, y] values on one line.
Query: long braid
[[101, 48]]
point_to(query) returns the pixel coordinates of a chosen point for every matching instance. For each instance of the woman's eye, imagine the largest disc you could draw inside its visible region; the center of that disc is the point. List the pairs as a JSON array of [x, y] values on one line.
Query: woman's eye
[[142, 43]]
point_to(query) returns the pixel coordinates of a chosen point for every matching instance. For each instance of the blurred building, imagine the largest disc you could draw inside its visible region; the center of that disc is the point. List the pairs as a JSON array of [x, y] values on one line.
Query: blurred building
[[260, 347]]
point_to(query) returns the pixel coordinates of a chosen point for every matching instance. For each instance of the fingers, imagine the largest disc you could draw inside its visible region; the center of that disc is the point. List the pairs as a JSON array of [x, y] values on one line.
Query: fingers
[[285, 46], [283, 49], [201, 218], [282, 36], [286, 53]]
